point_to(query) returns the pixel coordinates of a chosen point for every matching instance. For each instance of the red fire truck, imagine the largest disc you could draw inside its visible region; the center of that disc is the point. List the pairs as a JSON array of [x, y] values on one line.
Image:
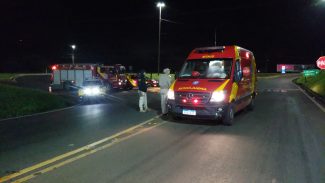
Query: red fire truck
[[114, 76], [67, 76]]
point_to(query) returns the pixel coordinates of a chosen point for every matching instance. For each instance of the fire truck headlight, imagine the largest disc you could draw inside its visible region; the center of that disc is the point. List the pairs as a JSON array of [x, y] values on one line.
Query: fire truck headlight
[[171, 94], [218, 96]]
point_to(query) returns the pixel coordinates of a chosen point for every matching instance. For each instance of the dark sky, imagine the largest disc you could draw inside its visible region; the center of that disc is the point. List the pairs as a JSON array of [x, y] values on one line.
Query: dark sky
[[35, 33]]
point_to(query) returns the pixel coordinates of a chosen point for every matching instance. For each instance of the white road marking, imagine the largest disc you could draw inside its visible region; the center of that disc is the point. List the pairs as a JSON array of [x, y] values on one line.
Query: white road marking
[[117, 98], [41, 113]]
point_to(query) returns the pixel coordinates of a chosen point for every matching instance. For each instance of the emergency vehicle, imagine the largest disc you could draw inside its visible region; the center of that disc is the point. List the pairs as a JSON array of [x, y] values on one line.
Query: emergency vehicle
[[114, 76], [214, 83], [67, 76]]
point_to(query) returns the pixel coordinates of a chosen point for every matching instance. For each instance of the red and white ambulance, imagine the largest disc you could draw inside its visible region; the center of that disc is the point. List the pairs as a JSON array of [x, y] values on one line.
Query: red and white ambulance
[[214, 83]]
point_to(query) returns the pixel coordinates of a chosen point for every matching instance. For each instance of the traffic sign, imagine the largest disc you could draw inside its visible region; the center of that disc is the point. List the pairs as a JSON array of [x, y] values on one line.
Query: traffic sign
[[321, 62], [311, 72]]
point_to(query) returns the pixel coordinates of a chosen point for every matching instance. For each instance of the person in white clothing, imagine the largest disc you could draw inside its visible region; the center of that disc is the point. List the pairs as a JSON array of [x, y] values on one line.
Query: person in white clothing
[[164, 83]]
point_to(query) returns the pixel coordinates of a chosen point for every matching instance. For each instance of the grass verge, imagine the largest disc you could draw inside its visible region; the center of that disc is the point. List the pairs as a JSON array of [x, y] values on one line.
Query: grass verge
[[268, 74], [16, 101], [314, 83], [6, 76]]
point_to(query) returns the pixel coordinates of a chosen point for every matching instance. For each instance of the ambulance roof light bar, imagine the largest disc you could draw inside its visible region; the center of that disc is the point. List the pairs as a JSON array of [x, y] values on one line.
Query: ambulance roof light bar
[[210, 49]]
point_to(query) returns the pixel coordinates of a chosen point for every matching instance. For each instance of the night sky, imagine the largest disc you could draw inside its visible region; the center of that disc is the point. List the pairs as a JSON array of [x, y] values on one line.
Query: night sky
[[35, 34]]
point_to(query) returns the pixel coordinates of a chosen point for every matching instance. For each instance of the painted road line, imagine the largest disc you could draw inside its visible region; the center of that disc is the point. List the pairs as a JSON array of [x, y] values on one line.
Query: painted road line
[[114, 97], [70, 160], [71, 153], [313, 100], [40, 113]]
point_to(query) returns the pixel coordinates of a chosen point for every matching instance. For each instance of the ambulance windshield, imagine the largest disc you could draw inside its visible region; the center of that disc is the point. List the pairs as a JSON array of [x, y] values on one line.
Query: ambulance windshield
[[214, 68]]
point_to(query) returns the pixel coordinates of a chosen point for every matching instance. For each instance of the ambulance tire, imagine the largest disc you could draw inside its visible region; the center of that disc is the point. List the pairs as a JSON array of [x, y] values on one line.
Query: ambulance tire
[[228, 118], [251, 105]]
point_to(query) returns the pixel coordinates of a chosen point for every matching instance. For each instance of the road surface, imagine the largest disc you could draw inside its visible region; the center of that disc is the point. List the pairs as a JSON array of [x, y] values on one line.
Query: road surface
[[282, 140]]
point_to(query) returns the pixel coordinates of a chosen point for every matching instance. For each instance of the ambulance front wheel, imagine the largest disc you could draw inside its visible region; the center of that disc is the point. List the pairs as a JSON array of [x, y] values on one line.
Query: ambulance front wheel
[[228, 118]]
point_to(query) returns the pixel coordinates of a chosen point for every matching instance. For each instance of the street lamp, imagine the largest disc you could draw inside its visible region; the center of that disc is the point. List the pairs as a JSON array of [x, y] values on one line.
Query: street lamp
[[73, 48], [160, 5]]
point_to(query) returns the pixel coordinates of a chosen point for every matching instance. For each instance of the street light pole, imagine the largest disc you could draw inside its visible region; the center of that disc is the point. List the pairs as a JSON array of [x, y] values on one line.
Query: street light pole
[[72, 56], [160, 5]]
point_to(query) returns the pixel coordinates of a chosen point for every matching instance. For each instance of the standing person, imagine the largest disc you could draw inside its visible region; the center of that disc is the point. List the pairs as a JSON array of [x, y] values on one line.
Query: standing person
[[142, 92], [164, 83]]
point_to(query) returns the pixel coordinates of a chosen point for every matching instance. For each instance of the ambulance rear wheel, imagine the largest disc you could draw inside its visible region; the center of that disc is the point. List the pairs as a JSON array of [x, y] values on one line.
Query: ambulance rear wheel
[[228, 119]]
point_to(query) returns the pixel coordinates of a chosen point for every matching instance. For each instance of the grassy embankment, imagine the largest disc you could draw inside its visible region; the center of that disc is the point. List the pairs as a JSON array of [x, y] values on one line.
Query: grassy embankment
[[6, 76], [16, 101], [268, 74], [314, 83]]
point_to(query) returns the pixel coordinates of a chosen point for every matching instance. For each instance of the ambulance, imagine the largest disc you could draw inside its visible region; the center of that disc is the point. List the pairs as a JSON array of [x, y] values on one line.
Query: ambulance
[[214, 83]]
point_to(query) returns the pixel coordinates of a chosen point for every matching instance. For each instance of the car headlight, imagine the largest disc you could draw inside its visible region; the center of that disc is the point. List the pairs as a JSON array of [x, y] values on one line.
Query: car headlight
[[95, 91], [92, 91], [171, 94], [218, 96], [87, 91]]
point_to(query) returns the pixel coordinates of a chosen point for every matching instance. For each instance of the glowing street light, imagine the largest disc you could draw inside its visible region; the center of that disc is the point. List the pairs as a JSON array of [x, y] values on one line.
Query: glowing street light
[[72, 55], [160, 5]]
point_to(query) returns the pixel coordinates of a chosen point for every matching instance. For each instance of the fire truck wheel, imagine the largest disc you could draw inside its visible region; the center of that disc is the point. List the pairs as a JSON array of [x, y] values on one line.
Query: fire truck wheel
[[228, 119]]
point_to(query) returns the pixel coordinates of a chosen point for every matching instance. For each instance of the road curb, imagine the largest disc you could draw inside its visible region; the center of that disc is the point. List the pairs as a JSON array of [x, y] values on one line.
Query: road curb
[[318, 98]]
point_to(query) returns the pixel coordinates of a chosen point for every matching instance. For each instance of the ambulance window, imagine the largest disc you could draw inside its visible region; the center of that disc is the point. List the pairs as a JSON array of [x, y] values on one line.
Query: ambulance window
[[238, 72], [204, 68]]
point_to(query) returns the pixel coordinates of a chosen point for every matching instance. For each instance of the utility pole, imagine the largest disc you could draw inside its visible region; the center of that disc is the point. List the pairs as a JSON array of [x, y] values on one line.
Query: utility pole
[[215, 36], [159, 5]]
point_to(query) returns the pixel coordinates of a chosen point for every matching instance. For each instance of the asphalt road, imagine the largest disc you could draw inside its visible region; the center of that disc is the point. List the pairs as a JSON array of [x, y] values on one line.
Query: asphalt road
[[282, 140]]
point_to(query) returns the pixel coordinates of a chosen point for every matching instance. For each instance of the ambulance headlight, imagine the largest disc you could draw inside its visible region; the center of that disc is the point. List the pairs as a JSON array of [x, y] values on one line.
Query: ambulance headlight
[[171, 94], [218, 96]]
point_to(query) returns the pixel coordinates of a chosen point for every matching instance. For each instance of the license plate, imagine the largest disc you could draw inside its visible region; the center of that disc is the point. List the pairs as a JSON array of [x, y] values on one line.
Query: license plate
[[189, 112]]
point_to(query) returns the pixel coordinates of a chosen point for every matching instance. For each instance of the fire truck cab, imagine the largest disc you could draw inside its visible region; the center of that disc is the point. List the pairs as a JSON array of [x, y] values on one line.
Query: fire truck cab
[[214, 83]]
